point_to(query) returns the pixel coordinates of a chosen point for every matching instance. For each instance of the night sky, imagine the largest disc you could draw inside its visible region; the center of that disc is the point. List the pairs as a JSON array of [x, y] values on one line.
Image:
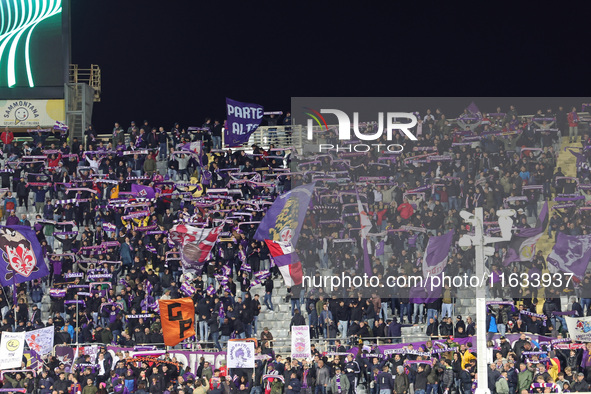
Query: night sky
[[169, 61]]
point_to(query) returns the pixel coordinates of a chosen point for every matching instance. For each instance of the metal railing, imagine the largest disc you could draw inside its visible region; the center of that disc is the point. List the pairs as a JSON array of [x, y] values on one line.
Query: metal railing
[[90, 76], [279, 136]]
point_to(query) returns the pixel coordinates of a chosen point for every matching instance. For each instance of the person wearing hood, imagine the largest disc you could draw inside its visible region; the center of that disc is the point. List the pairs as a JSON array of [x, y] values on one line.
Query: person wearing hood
[[400, 381], [395, 330]]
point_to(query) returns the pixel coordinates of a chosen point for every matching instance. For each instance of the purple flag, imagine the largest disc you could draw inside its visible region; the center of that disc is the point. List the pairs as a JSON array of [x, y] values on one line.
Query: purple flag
[[380, 248], [426, 293], [522, 246], [571, 253], [65, 354], [434, 262], [284, 219], [472, 108], [242, 120], [435, 258], [22, 258], [581, 158], [143, 191]]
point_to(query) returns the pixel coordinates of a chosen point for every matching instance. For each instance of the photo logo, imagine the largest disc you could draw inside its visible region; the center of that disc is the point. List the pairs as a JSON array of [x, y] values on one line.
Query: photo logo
[[345, 124], [402, 121]]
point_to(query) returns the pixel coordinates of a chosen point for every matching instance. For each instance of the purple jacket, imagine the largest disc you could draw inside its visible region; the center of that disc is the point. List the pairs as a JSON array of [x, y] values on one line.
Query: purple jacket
[[586, 362], [12, 221]]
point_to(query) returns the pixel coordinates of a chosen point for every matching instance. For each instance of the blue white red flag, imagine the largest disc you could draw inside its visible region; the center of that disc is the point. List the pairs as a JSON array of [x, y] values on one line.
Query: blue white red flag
[[287, 261]]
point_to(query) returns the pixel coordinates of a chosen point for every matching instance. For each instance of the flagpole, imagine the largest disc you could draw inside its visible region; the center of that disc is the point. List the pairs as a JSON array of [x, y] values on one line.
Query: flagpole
[[481, 329], [77, 316], [14, 298]]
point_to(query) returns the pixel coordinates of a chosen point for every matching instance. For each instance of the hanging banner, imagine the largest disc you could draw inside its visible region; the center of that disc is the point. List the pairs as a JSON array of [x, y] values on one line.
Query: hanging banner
[[32, 113], [579, 328], [242, 120], [300, 342], [240, 354], [11, 349], [178, 320]]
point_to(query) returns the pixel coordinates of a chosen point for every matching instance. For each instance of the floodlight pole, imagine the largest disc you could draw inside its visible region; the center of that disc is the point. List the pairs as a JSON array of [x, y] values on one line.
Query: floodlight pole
[[479, 241], [481, 348]]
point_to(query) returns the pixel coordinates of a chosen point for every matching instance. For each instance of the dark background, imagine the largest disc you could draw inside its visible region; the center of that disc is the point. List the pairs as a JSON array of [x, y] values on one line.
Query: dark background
[[178, 60]]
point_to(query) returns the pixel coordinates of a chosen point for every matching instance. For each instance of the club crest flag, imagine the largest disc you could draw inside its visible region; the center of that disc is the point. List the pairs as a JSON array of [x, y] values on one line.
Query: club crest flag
[[240, 354], [41, 340], [571, 254], [522, 246], [300, 342], [142, 191], [242, 120], [21, 258], [283, 221], [194, 147], [579, 328], [195, 243], [11, 349], [178, 320]]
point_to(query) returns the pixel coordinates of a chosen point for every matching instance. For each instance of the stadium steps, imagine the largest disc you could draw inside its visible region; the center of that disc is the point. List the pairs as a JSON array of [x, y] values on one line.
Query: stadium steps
[[465, 303], [277, 320]]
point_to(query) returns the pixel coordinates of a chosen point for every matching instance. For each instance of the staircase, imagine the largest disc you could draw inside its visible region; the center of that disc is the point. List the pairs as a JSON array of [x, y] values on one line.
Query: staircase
[[277, 320]]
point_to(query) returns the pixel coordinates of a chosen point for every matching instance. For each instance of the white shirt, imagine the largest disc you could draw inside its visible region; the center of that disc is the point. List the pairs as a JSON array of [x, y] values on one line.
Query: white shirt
[[377, 196]]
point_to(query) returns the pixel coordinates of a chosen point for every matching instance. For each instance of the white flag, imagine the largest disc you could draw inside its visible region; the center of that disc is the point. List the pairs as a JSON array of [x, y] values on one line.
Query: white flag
[[41, 340], [579, 328], [11, 349], [240, 354], [300, 342]]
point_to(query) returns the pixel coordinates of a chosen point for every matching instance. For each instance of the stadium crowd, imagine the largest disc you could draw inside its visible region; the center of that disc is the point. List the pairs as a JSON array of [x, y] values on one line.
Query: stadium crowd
[[100, 234]]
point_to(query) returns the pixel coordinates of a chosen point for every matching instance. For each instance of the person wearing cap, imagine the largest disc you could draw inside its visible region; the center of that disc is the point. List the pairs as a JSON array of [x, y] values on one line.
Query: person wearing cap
[[505, 347], [339, 384], [266, 335]]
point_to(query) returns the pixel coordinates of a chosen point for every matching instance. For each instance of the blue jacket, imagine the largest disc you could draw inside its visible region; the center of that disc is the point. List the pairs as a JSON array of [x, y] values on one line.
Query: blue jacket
[[126, 257], [40, 194], [492, 323]]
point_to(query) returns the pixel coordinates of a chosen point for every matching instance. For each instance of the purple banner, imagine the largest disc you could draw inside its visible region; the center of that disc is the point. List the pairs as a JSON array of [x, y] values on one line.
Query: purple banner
[[242, 120], [292, 206]]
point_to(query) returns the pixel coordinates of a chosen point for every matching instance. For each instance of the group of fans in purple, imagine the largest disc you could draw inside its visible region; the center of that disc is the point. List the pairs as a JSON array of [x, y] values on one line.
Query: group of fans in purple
[[101, 249]]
